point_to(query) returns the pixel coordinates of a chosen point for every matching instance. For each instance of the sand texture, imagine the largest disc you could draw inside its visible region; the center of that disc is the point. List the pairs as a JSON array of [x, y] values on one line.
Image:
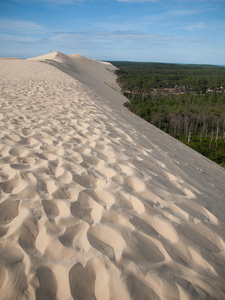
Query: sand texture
[[96, 203]]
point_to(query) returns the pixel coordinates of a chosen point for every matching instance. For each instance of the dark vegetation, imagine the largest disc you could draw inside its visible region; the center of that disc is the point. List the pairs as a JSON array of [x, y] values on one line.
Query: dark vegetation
[[186, 101]]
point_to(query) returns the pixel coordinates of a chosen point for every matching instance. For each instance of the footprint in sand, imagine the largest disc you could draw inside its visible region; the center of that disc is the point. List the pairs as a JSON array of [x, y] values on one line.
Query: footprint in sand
[[8, 211], [106, 239], [78, 277], [47, 284], [12, 270], [87, 209]]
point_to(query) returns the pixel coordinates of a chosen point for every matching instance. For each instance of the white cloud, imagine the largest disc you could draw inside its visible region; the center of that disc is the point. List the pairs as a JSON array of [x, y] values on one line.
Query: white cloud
[[138, 1], [20, 25], [123, 38], [53, 2], [170, 17], [192, 27], [59, 2], [180, 12], [16, 38]]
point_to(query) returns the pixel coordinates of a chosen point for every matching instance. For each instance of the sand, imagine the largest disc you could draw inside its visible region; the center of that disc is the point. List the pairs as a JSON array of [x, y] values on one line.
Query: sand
[[95, 202]]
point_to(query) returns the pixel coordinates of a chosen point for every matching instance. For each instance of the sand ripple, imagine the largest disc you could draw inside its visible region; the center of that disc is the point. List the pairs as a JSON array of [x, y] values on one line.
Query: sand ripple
[[95, 206]]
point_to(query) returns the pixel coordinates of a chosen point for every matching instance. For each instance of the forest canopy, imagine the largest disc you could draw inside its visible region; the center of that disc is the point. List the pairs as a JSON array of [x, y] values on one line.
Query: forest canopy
[[186, 101], [149, 76]]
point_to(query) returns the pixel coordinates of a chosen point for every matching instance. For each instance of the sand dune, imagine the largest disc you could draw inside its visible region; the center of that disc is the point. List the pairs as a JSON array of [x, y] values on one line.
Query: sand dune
[[95, 202], [97, 75]]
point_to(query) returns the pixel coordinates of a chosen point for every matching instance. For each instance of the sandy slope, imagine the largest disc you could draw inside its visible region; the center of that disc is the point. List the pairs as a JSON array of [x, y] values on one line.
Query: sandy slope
[[97, 75], [95, 202]]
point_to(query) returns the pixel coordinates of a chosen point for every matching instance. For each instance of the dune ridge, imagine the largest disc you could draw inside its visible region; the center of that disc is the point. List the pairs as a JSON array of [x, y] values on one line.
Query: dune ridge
[[99, 76], [97, 204]]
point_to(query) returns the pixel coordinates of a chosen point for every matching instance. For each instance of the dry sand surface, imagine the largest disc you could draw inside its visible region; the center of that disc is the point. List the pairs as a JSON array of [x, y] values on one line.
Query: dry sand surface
[[95, 202]]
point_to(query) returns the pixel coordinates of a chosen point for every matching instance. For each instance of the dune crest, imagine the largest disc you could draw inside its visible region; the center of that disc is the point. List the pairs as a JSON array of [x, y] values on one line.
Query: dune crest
[[97, 75], [97, 204]]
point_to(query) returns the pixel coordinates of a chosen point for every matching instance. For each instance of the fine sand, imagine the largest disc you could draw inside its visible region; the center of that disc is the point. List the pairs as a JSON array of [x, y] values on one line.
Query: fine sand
[[97, 204]]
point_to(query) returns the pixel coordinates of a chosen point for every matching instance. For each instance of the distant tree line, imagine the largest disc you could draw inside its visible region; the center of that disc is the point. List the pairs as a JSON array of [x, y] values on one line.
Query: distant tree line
[[197, 118], [144, 77]]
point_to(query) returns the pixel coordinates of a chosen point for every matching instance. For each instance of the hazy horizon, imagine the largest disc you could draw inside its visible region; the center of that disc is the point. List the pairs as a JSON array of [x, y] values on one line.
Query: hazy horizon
[[122, 60]]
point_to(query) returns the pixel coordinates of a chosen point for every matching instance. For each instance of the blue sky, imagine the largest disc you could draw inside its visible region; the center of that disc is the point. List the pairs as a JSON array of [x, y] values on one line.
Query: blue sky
[[180, 31]]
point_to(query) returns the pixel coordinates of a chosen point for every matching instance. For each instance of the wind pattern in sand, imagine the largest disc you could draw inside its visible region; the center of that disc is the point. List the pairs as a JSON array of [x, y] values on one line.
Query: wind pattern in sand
[[97, 204]]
